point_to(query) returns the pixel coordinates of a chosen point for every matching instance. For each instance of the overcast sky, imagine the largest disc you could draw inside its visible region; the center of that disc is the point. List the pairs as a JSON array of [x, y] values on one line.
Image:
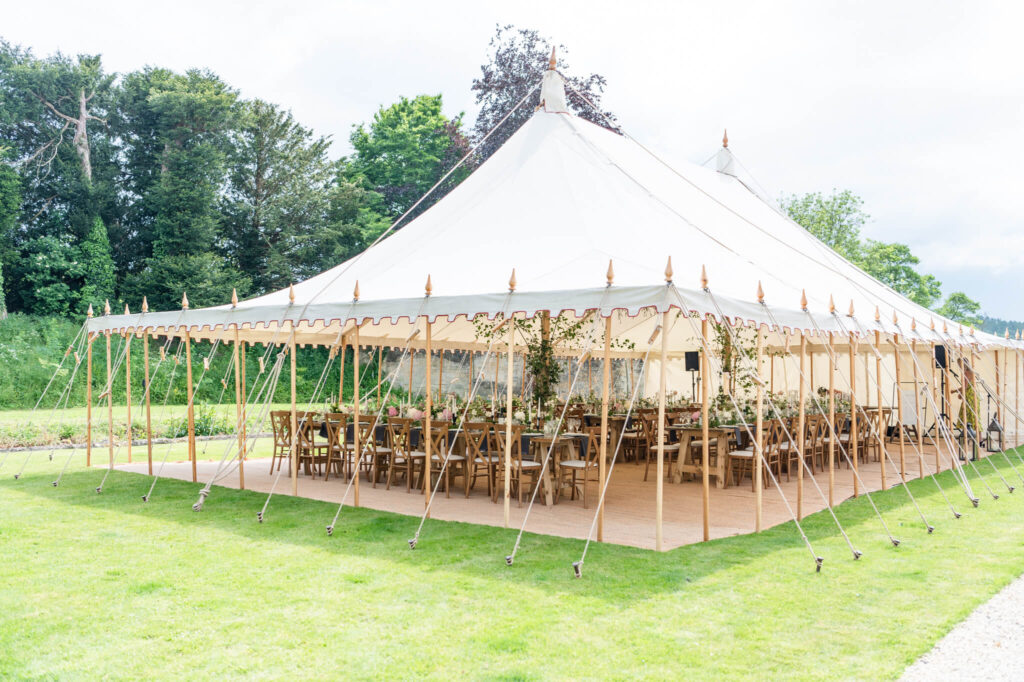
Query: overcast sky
[[918, 107]]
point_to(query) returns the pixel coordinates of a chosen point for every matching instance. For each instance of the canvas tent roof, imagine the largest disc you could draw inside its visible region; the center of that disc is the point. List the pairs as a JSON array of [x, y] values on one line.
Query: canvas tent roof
[[559, 200]]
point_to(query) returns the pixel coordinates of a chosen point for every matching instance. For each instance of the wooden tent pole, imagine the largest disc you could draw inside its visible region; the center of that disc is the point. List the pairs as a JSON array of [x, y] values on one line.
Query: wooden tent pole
[[758, 469], [191, 406], [427, 420], [833, 431], [879, 426], [508, 422], [245, 417], [917, 410], [1016, 397], [937, 399], [590, 376], [149, 414], [705, 379], [854, 454], [602, 465], [294, 458], [128, 385], [771, 380], [999, 387], [341, 377], [110, 408], [440, 375], [660, 493], [88, 402], [239, 419], [412, 359], [522, 379], [380, 370], [801, 434], [357, 452], [899, 406], [949, 400]]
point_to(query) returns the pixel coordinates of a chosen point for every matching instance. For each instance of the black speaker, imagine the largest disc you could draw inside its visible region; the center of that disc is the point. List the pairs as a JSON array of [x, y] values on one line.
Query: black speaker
[[692, 361], [940, 357]]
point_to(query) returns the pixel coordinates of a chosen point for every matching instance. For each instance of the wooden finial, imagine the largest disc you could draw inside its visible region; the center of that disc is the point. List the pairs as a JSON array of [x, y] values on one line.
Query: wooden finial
[[851, 307], [831, 305], [972, 330], [553, 61], [725, 139], [291, 293], [145, 305], [932, 323], [960, 330], [668, 270], [106, 307], [895, 320], [234, 297], [611, 273], [430, 286], [913, 324], [1006, 334], [512, 281], [878, 314], [126, 311], [945, 327], [89, 312], [355, 292], [803, 299], [184, 301], [760, 292], [703, 277]]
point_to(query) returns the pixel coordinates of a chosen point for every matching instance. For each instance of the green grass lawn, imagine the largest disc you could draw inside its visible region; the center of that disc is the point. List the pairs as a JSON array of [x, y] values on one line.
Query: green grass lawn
[[106, 586]]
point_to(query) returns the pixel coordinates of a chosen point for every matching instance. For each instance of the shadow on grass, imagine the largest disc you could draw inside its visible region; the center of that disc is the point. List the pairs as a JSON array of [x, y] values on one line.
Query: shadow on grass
[[623, 573]]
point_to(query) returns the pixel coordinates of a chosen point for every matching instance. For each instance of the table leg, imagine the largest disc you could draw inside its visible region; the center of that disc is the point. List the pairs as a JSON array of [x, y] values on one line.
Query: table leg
[[723, 456]]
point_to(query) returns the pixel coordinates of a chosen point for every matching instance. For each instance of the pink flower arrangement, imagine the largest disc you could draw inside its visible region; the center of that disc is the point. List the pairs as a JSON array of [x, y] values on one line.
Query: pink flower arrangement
[[392, 411], [415, 414], [446, 415]]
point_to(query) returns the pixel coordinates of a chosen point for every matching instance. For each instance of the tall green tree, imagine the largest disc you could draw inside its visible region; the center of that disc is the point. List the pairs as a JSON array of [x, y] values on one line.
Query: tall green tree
[[277, 198], [960, 307], [98, 275], [895, 265], [192, 113], [405, 150], [10, 208]]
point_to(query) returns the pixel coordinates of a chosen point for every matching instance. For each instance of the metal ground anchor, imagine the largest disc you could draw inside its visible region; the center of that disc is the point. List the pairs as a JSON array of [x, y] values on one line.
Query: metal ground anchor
[[930, 529], [330, 531], [956, 515], [145, 498], [857, 554], [17, 476], [895, 542], [508, 560], [412, 543], [975, 501], [817, 564], [54, 484], [99, 489], [259, 516], [577, 569]]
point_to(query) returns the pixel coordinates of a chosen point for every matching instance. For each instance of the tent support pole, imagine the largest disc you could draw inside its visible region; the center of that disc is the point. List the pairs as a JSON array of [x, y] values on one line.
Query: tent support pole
[[801, 433], [110, 408], [380, 369], [191, 405], [758, 472], [899, 406], [880, 427], [1016, 397], [128, 387], [357, 451], [508, 421], [855, 454], [427, 461], [239, 419], [294, 459], [440, 375], [705, 400], [88, 403], [602, 468], [245, 416], [999, 392], [918, 419], [149, 414], [341, 377], [833, 432], [660, 495]]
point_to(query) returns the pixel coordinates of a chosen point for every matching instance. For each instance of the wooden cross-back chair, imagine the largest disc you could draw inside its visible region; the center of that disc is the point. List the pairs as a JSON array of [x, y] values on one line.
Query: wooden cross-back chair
[[442, 462], [520, 468], [281, 422], [479, 454], [374, 458], [649, 428], [338, 454], [405, 459], [582, 467], [311, 454]]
